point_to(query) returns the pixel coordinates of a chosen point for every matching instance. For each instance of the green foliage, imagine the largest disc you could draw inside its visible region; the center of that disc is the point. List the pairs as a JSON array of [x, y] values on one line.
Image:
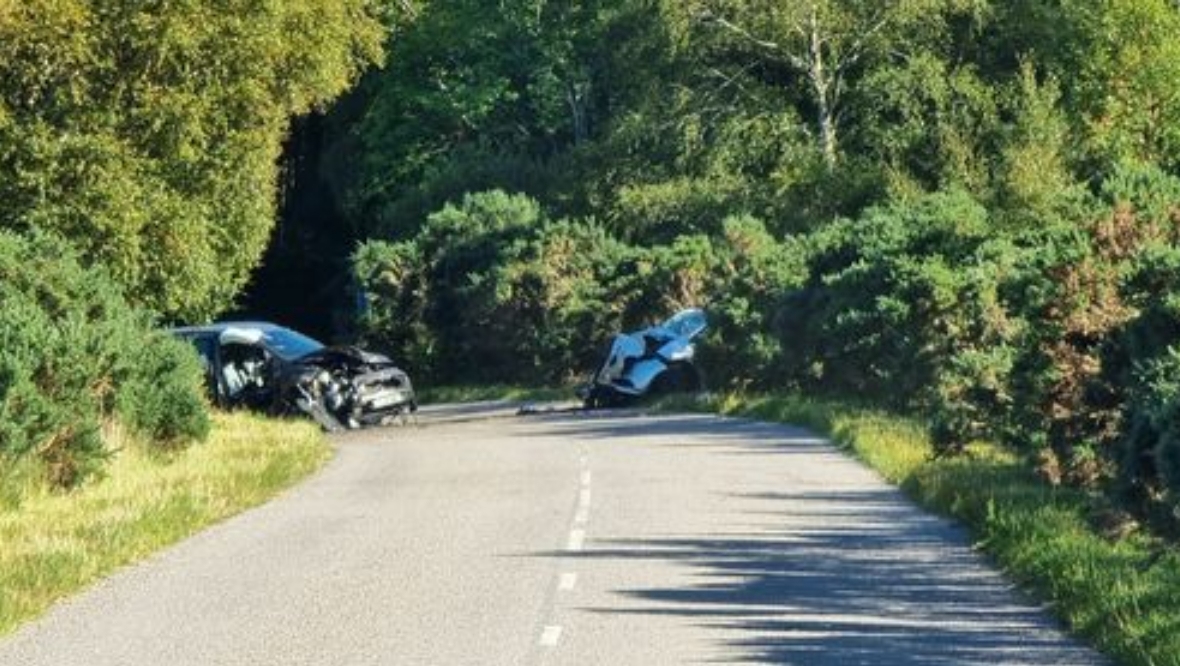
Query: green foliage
[[73, 356], [164, 398], [751, 274], [478, 97], [494, 290], [956, 207], [933, 123], [1117, 64], [887, 298], [149, 136], [1033, 173]]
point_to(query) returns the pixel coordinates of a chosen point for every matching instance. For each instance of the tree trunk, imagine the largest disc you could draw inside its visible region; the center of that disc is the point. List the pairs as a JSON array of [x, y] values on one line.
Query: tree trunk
[[576, 96], [823, 93]]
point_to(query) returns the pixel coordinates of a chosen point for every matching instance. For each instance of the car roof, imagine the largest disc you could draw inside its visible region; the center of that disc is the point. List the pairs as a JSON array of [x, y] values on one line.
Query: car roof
[[219, 327]]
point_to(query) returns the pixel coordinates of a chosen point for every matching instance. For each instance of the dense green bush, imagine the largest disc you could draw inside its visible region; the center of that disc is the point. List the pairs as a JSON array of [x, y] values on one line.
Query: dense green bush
[[888, 299], [493, 289], [751, 274], [74, 355], [1057, 339]]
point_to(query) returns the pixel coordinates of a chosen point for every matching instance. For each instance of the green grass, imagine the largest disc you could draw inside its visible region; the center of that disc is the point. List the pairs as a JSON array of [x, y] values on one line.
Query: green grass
[[1122, 597], [54, 544], [438, 394]]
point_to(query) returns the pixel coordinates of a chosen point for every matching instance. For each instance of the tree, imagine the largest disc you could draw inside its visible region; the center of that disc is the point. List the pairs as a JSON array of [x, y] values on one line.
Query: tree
[[826, 42], [148, 134], [479, 97], [1118, 64]]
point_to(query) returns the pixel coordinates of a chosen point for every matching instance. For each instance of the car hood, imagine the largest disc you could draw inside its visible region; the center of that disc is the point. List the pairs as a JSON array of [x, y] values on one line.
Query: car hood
[[346, 353]]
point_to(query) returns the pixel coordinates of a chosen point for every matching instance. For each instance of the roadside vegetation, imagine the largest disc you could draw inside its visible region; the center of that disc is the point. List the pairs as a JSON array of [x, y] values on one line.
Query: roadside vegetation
[[1120, 591], [963, 211], [968, 212], [54, 544], [76, 357], [139, 179]]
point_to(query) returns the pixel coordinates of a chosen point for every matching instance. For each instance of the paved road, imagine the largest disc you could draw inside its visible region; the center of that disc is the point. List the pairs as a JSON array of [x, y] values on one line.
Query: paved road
[[607, 539]]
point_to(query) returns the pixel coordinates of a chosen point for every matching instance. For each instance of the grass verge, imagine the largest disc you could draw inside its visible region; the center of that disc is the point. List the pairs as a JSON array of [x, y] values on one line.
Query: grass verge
[[1123, 597], [436, 394], [53, 544]]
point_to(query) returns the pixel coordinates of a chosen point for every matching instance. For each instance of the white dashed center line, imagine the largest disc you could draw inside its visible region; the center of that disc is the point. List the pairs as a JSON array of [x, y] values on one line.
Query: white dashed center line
[[550, 636], [567, 582], [577, 540]]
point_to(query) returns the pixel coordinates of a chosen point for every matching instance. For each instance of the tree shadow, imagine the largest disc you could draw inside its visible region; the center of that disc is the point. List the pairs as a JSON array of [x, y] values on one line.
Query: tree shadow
[[826, 577]]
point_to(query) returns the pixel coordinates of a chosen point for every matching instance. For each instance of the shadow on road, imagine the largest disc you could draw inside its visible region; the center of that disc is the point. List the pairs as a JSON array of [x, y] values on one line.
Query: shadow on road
[[826, 577]]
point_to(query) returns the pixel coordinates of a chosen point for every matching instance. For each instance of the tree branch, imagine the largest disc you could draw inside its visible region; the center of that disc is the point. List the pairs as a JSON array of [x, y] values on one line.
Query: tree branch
[[792, 59]]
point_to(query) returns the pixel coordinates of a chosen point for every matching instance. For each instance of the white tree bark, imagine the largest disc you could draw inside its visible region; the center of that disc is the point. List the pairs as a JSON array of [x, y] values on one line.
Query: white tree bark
[[821, 52]]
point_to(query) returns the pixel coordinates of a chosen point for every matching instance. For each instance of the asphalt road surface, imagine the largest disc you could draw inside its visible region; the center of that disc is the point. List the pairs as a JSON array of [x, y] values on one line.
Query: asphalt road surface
[[599, 539]]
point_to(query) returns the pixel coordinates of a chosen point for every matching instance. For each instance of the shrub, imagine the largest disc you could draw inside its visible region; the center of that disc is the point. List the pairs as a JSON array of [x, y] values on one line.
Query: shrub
[[1093, 290], [163, 396], [889, 298], [493, 290], [73, 355], [751, 274]]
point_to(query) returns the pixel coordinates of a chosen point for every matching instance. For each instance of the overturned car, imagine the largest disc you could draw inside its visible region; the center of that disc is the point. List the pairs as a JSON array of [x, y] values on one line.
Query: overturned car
[[656, 360], [270, 368]]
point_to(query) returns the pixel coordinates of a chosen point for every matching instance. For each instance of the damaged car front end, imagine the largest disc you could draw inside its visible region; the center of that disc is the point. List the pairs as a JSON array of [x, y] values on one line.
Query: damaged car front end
[[273, 369]]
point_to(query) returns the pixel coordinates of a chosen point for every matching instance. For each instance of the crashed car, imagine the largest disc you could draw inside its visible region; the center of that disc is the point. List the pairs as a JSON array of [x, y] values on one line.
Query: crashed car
[[269, 368], [656, 360]]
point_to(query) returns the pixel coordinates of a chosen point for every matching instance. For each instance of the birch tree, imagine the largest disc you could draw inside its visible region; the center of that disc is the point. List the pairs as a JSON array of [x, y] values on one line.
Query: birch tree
[[823, 43]]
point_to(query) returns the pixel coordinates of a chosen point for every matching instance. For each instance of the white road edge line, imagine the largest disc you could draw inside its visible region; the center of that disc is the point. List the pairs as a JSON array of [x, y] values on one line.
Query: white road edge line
[[584, 498], [567, 582], [582, 516], [586, 478], [577, 540], [550, 636]]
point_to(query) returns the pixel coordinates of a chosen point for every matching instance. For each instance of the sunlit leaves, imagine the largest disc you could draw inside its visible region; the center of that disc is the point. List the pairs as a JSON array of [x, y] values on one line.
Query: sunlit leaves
[[149, 133]]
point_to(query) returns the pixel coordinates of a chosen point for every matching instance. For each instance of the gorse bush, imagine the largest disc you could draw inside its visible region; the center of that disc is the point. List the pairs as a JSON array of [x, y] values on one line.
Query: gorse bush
[[493, 289], [1059, 340], [74, 355], [886, 299]]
